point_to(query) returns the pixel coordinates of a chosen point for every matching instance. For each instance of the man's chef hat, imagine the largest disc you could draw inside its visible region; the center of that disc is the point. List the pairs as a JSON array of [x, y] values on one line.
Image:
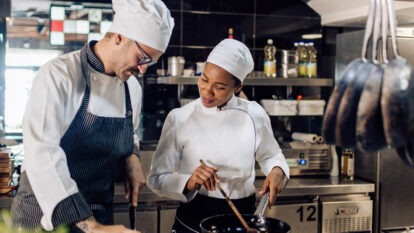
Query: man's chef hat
[[233, 56], [146, 21]]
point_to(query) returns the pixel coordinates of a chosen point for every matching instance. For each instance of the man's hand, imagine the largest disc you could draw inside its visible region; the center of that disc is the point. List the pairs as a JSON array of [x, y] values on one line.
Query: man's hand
[[273, 183], [90, 225], [134, 179], [203, 175]]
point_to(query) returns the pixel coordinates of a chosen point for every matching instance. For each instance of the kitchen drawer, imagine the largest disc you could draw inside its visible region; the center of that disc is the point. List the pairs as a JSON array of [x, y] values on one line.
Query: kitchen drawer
[[167, 217], [346, 216], [302, 217], [146, 221]]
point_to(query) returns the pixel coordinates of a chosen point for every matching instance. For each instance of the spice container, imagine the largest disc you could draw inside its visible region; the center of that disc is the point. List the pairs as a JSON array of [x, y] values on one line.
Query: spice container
[[347, 164]]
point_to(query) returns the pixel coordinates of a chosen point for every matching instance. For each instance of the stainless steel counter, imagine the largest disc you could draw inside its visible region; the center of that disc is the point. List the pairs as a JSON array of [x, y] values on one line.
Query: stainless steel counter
[[296, 187]]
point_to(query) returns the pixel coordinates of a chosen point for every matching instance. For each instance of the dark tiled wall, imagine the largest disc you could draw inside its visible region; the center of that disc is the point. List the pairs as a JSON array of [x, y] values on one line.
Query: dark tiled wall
[[202, 24]]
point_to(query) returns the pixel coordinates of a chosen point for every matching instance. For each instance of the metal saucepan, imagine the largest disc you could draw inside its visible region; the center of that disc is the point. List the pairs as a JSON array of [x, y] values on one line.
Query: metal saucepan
[[231, 224], [397, 93], [369, 128], [345, 131], [331, 113]]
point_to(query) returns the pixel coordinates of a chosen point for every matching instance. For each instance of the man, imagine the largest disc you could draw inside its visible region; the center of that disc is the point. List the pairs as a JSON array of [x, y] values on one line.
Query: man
[[80, 120]]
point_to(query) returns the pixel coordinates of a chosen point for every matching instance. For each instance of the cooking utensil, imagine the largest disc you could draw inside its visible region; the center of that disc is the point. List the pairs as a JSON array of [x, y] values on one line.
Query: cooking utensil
[[233, 207], [345, 131], [406, 154], [230, 224], [175, 66], [331, 113], [132, 220], [369, 129], [397, 93]]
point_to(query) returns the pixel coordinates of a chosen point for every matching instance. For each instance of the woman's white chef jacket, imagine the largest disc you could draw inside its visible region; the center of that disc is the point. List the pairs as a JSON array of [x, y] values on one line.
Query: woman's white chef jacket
[[230, 138], [56, 96]]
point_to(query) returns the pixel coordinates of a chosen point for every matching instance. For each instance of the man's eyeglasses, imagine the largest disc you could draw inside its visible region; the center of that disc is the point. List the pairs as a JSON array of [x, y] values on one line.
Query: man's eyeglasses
[[145, 59]]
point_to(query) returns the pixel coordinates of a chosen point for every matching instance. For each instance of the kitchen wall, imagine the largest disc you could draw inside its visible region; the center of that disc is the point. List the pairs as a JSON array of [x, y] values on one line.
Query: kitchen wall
[[200, 25]]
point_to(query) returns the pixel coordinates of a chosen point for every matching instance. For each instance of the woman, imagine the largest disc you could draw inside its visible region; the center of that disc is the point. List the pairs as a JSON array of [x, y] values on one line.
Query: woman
[[225, 131]]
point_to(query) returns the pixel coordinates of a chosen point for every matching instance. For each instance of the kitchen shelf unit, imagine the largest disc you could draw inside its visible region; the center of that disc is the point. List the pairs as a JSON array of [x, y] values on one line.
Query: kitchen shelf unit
[[252, 81]]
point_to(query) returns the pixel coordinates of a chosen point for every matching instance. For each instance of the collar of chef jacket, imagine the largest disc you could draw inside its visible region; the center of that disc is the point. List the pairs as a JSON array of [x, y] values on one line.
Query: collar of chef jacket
[[232, 103]]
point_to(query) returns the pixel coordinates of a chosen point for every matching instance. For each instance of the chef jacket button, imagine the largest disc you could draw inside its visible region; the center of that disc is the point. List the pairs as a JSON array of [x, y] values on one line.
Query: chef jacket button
[[129, 113], [94, 78]]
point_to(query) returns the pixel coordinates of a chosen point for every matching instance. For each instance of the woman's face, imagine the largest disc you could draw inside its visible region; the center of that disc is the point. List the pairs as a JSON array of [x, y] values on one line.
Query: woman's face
[[216, 86]]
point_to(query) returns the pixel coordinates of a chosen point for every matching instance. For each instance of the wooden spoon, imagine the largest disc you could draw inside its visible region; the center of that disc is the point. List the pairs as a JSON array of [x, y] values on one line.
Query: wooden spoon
[[233, 207]]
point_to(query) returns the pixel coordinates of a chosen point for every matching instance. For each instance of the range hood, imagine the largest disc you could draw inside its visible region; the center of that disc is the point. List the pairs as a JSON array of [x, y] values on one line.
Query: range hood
[[353, 13]]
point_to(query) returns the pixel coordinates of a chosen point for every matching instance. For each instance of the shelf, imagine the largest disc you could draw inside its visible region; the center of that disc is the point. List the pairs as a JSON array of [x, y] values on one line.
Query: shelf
[[252, 81], [287, 115]]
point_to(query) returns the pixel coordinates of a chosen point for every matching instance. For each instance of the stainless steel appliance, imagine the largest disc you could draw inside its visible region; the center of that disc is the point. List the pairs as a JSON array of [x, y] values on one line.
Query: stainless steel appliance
[[399, 230], [305, 159], [346, 216], [302, 217], [394, 180], [325, 214]]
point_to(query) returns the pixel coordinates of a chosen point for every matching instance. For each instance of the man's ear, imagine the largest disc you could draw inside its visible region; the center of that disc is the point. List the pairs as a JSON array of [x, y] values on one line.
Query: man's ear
[[118, 38]]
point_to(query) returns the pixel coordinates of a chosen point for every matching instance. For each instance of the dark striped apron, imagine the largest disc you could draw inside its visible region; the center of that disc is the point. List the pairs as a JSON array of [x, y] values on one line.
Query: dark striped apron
[[96, 148], [189, 215]]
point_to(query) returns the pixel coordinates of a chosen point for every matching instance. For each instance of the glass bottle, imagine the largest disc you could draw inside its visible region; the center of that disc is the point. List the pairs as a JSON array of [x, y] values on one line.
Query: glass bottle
[[312, 59], [231, 33], [303, 59], [347, 164], [270, 59]]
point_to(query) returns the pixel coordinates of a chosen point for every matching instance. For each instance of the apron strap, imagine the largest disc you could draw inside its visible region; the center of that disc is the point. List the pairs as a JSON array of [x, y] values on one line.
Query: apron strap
[[128, 107]]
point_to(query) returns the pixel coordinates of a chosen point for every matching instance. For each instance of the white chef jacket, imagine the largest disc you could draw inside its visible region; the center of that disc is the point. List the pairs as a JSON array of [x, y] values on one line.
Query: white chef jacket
[[230, 138], [55, 98]]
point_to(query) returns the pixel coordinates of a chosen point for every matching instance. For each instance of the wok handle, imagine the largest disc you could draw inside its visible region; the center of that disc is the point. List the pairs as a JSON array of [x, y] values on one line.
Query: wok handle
[[132, 217], [132, 211], [262, 204]]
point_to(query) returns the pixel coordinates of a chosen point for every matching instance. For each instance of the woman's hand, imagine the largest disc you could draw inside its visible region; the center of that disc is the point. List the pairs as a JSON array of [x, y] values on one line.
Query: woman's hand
[[134, 179], [203, 176], [273, 183]]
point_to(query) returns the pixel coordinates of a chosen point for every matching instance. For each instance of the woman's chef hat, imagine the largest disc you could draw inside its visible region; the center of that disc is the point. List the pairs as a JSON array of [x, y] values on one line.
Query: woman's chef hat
[[233, 56], [146, 21]]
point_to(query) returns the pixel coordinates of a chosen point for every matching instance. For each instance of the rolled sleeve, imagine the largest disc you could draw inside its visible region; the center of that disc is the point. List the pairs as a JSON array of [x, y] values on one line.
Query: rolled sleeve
[[71, 210]]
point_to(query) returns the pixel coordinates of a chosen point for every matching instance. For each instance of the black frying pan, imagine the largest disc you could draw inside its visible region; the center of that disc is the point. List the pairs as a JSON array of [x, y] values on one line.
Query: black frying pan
[[397, 93], [369, 127], [351, 71], [230, 223]]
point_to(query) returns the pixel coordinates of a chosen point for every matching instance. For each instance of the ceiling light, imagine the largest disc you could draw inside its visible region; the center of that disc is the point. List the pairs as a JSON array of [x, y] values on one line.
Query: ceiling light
[[311, 36]]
